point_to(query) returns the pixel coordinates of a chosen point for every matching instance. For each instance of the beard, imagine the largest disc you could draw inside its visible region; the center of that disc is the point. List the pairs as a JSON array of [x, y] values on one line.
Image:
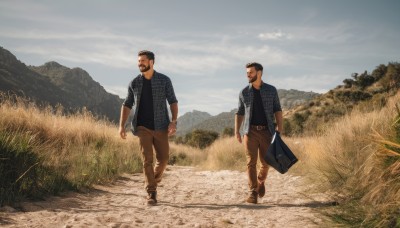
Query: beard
[[253, 79], [144, 68]]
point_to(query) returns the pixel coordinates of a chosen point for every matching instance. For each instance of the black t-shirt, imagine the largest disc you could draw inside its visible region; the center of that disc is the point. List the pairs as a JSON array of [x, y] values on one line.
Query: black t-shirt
[[145, 116], [258, 114]]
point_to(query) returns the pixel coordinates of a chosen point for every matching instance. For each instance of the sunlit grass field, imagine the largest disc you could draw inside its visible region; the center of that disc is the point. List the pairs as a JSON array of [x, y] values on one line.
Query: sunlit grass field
[[356, 161], [45, 152]]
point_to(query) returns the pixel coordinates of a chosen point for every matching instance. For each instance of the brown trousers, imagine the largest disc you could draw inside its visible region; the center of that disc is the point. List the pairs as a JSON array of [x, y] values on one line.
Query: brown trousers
[[159, 139], [256, 143]]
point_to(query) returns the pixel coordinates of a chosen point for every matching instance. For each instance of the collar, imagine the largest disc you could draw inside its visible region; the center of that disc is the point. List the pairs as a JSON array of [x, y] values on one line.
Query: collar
[[154, 75], [251, 85]]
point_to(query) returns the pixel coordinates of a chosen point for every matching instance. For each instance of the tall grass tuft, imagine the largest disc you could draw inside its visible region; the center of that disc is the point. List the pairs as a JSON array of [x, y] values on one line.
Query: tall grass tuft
[[358, 162], [186, 155], [225, 153], [43, 151]]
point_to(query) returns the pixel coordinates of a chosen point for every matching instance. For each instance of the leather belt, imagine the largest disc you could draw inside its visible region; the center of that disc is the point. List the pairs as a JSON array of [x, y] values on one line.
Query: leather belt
[[258, 127]]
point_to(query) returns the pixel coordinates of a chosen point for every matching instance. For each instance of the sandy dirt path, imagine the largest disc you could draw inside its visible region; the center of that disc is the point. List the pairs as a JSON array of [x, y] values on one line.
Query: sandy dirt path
[[187, 198]]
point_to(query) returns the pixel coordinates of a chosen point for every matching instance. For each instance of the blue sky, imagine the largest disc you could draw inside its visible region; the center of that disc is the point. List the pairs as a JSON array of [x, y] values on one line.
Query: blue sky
[[203, 46]]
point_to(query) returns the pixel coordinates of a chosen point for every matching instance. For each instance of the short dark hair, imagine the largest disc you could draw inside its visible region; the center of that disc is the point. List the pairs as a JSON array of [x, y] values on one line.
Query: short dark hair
[[149, 54], [256, 66]]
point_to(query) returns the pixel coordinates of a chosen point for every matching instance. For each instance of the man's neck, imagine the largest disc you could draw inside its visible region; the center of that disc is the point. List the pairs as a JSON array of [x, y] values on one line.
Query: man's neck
[[148, 74], [257, 84]]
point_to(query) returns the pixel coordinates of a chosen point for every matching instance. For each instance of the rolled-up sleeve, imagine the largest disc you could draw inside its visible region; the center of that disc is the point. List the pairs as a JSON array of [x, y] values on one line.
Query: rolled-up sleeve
[[130, 99], [170, 94], [240, 110], [277, 103]]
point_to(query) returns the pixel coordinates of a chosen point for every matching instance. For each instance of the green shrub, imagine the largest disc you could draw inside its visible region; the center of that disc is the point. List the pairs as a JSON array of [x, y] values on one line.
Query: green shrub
[[179, 159], [228, 132], [352, 96], [201, 138]]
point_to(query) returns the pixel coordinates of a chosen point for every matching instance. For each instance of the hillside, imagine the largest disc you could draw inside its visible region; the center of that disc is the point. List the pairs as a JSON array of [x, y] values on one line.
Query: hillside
[[216, 123], [16, 77], [365, 92], [55, 84], [291, 98], [190, 119], [82, 89]]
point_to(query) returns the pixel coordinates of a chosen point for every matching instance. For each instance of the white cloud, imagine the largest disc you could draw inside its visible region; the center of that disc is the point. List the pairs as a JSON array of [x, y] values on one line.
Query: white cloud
[[316, 83], [334, 33], [115, 58], [194, 54], [274, 36], [208, 58]]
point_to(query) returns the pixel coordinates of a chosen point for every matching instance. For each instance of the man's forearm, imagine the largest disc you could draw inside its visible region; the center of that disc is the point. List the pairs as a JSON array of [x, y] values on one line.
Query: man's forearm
[[279, 121], [124, 115], [238, 122], [174, 111]]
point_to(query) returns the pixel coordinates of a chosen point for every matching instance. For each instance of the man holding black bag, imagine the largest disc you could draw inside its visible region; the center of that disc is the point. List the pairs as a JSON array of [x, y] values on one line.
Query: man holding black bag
[[259, 108]]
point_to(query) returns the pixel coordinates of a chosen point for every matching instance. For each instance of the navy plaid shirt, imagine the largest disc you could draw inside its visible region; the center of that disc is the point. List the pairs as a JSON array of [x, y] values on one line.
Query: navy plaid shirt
[[270, 101], [162, 91]]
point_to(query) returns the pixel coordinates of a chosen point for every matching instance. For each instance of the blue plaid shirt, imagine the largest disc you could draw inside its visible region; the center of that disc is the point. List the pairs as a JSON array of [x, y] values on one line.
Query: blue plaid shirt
[[162, 91], [270, 101]]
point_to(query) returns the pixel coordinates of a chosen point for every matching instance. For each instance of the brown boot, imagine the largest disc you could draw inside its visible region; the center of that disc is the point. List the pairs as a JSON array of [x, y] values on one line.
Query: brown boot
[[152, 198], [261, 189], [252, 197]]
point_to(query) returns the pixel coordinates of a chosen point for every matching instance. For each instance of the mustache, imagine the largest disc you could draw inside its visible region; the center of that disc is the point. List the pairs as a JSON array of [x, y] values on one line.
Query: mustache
[[142, 65]]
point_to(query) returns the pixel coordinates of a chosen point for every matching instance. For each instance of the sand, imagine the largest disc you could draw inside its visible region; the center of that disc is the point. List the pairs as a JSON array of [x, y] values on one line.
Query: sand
[[187, 198]]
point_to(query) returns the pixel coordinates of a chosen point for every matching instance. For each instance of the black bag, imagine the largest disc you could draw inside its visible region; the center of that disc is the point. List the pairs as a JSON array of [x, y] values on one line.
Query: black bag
[[279, 156]]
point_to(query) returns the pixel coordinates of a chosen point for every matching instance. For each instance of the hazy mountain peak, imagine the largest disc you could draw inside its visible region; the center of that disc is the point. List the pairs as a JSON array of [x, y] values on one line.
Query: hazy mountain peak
[[190, 119], [5, 54], [52, 65], [199, 112], [7, 58]]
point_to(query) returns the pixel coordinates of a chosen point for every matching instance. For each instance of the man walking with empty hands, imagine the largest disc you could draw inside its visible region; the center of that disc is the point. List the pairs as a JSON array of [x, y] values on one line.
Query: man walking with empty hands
[[147, 96]]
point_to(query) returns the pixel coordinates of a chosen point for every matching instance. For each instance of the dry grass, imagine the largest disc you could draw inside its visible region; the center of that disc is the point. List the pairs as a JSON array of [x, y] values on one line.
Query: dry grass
[[358, 160], [186, 155], [78, 149], [225, 153]]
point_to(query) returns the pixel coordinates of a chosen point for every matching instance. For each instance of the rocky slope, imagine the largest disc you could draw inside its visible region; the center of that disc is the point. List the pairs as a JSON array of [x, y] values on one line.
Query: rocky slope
[[55, 84]]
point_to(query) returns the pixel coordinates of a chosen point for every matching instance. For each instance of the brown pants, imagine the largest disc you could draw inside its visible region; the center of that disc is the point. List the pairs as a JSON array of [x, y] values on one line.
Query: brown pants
[[256, 143], [159, 139]]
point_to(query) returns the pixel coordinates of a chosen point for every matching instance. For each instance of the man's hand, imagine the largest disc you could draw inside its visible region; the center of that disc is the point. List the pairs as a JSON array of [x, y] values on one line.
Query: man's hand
[[238, 123], [172, 128], [124, 116], [122, 132], [238, 137]]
